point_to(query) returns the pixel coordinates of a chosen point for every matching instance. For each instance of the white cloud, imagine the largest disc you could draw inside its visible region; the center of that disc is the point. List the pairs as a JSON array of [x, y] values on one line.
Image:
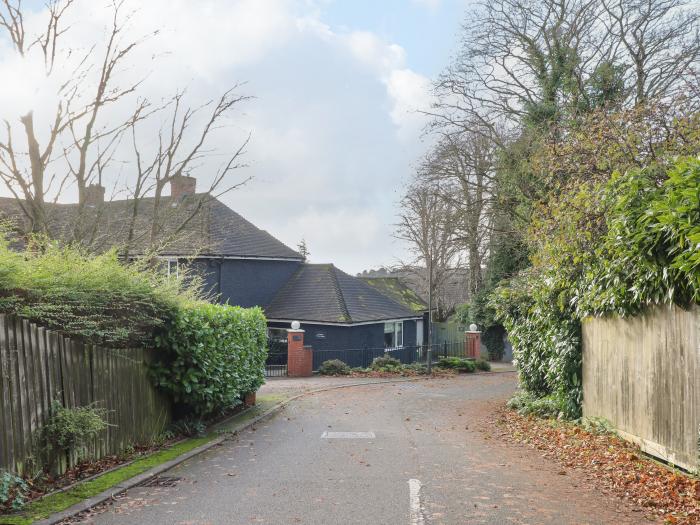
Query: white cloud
[[410, 93], [334, 127], [432, 5]]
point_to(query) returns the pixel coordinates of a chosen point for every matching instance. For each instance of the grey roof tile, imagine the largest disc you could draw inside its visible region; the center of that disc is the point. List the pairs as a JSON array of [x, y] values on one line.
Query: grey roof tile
[[211, 228], [324, 294]]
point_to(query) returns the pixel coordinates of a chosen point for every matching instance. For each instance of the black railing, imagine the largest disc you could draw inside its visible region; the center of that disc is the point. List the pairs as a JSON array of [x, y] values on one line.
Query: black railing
[[276, 362], [363, 357]]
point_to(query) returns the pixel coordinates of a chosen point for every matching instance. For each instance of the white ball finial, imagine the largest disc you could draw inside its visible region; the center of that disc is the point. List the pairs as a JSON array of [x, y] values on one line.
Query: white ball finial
[[473, 327], [296, 325]]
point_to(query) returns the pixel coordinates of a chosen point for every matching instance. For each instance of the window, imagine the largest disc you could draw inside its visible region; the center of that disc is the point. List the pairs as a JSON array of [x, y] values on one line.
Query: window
[[393, 334], [173, 267]]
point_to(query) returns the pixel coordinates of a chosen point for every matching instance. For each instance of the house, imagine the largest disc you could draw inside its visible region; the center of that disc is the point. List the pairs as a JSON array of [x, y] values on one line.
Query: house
[[341, 311], [240, 264], [396, 289]]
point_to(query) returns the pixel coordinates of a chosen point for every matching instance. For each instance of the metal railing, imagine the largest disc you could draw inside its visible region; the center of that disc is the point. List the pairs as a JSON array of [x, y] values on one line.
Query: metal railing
[[363, 357]]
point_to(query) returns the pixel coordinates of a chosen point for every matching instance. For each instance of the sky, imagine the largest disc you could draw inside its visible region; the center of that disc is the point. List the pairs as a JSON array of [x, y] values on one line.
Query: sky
[[334, 124]]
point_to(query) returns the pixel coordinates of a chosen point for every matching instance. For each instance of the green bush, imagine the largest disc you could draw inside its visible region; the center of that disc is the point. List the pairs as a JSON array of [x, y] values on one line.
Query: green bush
[[483, 365], [68, 429], [596, 425], [546, 407], [651, 253], [602, 248], [212, 355], [334, 367], [97, 298], [419, 368], [189, 427], [457, 363], [385, 362], [13, 491]]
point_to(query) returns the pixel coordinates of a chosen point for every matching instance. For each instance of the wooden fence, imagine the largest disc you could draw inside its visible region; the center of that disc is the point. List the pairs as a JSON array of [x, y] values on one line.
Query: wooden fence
[[447, 332], [643, 375], [38, 366]]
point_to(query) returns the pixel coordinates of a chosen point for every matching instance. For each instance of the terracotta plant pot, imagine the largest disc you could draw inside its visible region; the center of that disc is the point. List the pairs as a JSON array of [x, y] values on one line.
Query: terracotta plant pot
[[249, 399]]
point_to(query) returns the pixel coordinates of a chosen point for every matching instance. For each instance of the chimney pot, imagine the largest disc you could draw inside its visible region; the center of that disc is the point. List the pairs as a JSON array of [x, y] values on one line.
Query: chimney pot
[[94, 195], [182, 186]]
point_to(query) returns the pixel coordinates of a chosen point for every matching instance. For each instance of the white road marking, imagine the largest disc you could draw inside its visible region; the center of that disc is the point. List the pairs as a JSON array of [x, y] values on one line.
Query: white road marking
[[348, 435], [416, 514]]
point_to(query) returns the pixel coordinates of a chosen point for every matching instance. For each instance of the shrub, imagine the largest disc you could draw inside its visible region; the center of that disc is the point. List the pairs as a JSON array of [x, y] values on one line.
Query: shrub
[[13, 491], [212, 355], [97, 298], [596, 425], [68, 429], [334, 367], [416, 367], [483, 365], [546, 407], [385, 362], [188, 426], [602, 248], [457, 363]]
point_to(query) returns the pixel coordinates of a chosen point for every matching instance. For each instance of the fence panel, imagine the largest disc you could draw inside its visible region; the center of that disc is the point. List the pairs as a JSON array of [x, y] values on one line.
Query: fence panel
[[38, 367], [643, 374], [446, 332]]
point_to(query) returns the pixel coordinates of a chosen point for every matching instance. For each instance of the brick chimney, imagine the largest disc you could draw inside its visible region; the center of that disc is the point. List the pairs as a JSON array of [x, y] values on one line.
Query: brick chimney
[[94, 195], [182, 186]]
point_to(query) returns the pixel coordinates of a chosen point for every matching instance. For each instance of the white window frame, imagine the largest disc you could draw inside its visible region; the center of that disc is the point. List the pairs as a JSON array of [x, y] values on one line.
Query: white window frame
[[397, 331], [170, 262]]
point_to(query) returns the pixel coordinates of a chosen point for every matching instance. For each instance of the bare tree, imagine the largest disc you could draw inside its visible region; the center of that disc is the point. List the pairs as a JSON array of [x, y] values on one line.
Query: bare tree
[[462, 167], [83, 139], [659, 42], [426, 223], [175, 157], [521, 60], [536, 62]]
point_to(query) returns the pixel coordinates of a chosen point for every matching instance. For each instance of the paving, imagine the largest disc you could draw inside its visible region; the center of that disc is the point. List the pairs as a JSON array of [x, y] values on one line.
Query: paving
[[396, 453]]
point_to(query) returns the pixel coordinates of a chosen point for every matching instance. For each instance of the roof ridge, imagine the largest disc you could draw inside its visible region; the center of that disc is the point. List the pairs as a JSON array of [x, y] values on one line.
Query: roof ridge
[[339, 292]]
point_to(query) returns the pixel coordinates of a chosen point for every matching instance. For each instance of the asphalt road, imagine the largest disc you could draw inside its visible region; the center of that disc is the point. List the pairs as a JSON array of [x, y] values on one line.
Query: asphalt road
[[431, 460]]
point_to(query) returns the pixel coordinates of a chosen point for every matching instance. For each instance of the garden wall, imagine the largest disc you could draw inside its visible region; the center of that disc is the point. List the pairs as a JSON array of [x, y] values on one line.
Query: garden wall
[[38, 366], [643, 374]]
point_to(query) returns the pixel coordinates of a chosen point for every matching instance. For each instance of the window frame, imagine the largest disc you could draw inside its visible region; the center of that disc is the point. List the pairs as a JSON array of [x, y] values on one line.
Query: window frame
[[396, 331]]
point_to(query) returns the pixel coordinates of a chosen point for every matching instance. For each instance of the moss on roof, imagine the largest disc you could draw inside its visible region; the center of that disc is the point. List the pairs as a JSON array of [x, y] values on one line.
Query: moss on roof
[[393, 288]]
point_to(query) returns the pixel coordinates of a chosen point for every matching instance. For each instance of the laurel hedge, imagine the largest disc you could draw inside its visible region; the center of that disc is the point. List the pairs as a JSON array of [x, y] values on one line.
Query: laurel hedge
[[212, 355], [612, 247]]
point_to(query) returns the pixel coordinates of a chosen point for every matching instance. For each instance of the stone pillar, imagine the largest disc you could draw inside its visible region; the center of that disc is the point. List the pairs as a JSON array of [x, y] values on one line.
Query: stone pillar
[[472, 344], [299, 357]]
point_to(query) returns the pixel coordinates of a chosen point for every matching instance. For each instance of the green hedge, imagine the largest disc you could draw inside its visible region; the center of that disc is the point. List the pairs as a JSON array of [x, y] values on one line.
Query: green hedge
[[97, 298], [212, 355], [603, 248]]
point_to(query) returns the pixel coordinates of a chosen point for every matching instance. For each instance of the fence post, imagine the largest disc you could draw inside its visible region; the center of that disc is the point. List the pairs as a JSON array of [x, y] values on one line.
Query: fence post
[[444, 351]]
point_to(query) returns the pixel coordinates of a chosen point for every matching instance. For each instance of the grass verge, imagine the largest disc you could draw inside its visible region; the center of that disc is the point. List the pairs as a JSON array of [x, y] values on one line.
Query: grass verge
[[60, 501]]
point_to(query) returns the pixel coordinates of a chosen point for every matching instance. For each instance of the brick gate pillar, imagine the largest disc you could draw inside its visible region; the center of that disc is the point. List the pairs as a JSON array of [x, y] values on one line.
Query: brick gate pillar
[[299, 357], [472, 344]]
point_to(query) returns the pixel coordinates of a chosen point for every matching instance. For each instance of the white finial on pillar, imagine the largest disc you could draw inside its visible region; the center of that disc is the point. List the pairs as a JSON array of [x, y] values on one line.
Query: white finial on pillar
[[296, 325]]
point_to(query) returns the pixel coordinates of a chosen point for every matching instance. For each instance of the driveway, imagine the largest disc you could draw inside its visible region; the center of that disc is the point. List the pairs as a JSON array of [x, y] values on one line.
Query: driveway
[[402, 453]]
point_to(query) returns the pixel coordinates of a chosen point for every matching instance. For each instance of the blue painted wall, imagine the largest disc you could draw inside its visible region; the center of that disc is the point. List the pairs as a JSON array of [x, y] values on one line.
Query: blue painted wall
[[354, 345], [246, 282], [325, 337]]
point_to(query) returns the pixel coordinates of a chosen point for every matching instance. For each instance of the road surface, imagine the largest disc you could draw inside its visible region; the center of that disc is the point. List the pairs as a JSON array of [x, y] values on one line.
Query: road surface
[[404, 453]]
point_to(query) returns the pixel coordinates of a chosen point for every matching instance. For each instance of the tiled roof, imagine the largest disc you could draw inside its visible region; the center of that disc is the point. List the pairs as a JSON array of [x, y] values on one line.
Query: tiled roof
[[324, 294], [398, 291], [210, 227]]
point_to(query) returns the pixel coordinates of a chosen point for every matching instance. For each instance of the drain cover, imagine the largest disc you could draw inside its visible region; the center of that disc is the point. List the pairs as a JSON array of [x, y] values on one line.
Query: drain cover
[[162, 481]]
